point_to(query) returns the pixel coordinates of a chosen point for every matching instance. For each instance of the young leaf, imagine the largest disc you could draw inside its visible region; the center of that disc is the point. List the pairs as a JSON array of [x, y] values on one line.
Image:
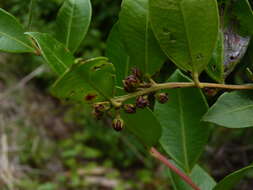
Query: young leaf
[[231, 180], [184, 135], [73, 21], [148, 129], [232, 110], [12, 37], [198, 175], [186, 30], [215, 68], [116, 52], [56, 55], [136, 32], [89, 81]]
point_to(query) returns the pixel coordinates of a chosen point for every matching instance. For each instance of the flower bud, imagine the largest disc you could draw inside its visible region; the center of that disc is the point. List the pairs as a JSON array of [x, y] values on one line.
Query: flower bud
[[142, 101], [136, 72], [131, 83], [99, 110], [129, 108], [97, 115], [211, 92], [162, 98], [118, 124], [99, 107]]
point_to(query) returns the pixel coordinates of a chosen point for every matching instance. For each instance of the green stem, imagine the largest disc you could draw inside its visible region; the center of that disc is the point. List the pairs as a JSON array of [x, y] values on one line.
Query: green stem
[[170, 85], [196, 80]]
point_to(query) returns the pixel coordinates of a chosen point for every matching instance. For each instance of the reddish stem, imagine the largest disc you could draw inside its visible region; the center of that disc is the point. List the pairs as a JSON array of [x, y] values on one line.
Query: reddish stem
[[164, 160]]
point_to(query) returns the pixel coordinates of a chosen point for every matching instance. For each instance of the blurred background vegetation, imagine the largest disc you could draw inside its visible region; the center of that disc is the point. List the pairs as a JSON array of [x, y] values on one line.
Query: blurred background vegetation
[[48, 145]]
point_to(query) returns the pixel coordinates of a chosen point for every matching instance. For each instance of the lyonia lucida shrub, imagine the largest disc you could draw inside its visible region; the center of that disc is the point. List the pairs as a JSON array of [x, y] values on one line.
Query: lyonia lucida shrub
[[164, 60]]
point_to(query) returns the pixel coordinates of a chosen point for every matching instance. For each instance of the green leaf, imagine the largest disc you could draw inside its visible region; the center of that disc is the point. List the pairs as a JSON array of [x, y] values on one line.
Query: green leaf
[[56, 55], [73, 21], [144, 125], [184, 135], [215, 68], [12, 37], [116, 52], [136, 32], [186, 30], [232, 110], [244, 15], [247, 64], [198, 175], [89, 81], [231, 180]]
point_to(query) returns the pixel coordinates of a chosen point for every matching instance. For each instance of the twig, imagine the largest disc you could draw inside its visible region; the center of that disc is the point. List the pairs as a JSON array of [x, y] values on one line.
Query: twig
[[170, 85], [165, 161]]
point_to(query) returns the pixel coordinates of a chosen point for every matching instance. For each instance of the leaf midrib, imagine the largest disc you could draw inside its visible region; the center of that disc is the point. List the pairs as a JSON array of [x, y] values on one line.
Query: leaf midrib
[[15, 39], [182, 124], [146, 41], [70, 24], [234, 110], [54, 55], [187, 36], [146, 35]]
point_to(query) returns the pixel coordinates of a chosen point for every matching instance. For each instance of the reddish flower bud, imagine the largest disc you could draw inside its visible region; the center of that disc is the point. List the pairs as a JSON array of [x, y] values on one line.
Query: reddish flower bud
[[136, 72], [129, 108], [131, 83], [99, 107], [210, 92], [118, 124], [142, 101], [97, 115], [99, 110], [162, 98]]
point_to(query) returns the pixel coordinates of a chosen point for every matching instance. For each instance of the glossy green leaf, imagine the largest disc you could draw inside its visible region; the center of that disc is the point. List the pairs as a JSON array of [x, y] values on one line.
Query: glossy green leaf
[[73, 21], [184, 135], [244, 15], [12, 37], [249, 53], [144, 125], [88, 82], [229, 182], [232, 110], [198, 175], [187, 30], [215, 68], [116, 52], [56, 55], [247, 61], [136, 32]]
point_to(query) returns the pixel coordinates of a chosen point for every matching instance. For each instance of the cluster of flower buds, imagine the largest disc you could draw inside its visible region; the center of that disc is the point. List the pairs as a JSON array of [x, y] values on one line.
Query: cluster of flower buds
[[136, 72], [129, 108], [210, 92], [131, 84], [99, 109], [133, 81], [162, 97], [142, 101]]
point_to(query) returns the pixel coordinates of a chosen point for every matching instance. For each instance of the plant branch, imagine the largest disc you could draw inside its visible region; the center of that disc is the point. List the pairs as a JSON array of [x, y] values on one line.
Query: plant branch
[[172, 167], [171, 85]]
